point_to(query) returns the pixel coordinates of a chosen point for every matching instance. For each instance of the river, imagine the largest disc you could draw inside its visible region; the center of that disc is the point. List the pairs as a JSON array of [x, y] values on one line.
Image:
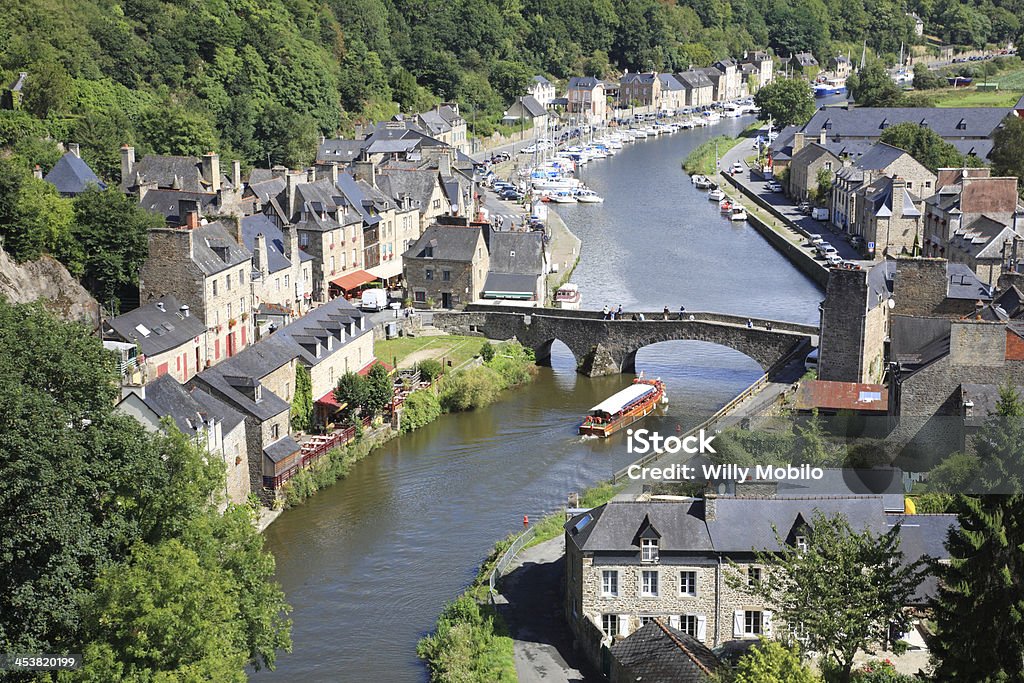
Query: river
[[369, 563]]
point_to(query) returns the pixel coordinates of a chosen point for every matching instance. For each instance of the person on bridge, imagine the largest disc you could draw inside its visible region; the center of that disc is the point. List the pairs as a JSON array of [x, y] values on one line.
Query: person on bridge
[[618, 313], [604, 312], [750, 324], [682, 310], [666, 313], [768, 326]]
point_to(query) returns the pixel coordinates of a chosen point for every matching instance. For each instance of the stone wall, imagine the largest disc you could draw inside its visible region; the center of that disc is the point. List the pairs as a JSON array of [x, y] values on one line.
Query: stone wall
[[920, 287], [842, 347], [465, 283], [350, 358], [236, 461]]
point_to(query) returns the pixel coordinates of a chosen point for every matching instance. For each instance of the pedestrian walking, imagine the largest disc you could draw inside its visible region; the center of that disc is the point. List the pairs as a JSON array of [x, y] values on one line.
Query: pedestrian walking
[[604, 312], [768, 326], [750, 324], [619, 312]]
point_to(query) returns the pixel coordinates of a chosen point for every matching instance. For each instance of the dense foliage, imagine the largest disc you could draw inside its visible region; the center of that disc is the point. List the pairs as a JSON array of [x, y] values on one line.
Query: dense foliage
[[92, 502], [926, 146], [262, 80], [1008, 149], [302, 402], [769, 662], [786, 102]]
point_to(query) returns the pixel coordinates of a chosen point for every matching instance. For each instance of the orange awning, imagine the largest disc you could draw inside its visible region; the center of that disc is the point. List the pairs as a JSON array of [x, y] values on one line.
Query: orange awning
[[352, 280]]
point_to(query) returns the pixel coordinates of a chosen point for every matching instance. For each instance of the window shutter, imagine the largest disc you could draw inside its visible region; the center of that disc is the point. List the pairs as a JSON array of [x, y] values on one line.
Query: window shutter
[[702, 628], [737, 624], [623, 625], [766, 621], [673, 620]]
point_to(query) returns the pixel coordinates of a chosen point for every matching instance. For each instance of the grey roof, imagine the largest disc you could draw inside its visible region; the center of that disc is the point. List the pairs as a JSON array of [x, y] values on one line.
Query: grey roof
[[882, 196], [517, 252], [881, 277], [670, 82], [307, 337], [916, 341], [446, 242], [745, 524], [532, 107], [583, 82], [923, 536], [19, 82], [723, 64], [192, 409], [231, 375], [400, 146], [886, 482], [510, 283], [541, 79], [985, 398], [965, 284], [266, 188], [214, 248], [166, 202], [340, 150], [644, 78], [71, 175], [984, 237], [170, 172], [281, 449], [154, 330], [274, 238], [879, 156], [658, 653], [616, 526], [805, 59], [357, 198], [401, 181]]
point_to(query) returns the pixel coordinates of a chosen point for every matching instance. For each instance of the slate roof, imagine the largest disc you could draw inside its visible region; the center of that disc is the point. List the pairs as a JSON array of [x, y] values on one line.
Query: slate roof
[[964, 283], [274, 238], [281, 449], [583, 83], [264, 190], [306, 337], [541, 79], [445, 242], [923, 536], [166, 202], [805, 59], [883, 197], [244, 369], [517, 252], [192, 409], [658, 653], [532, 107], [214, 248], [985, 398], [342, 151], [170, 172], [644, 78], [615, 526], [400, 146], [399, 181], [510, 283], [157, 331], [879, 156], [670, 82], [71, 175], [982, 238], [916, 342]]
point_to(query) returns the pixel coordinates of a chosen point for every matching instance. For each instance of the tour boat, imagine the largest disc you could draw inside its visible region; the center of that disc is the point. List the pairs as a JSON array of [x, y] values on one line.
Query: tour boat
[[624, 408], [715, 194], [562, 198], [738, 213], [568, 297], [588, 197], [831, 86]]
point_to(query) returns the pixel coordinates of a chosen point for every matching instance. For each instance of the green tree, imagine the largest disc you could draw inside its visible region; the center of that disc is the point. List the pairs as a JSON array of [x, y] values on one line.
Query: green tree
[[302, 402], [350, 391], [786, 101], [112, 233], [1001, 445], [487, 351], [980, 602], [872, 87], [174, 129], [924, 144], [823, 188], [510, 79], [846, 590], [926, 79], [48, 90], [429, 369], [379, 390], [955, 474], [34, 219], [289, 137], [1008, 149], [771, 662]]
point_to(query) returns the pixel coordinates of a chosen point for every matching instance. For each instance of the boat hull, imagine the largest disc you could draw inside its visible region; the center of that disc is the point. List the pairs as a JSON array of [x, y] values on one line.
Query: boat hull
[[616, 423]]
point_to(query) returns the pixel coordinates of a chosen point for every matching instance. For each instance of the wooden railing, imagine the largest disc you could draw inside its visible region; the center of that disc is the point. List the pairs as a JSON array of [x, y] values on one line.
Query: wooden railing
[[312, 451]]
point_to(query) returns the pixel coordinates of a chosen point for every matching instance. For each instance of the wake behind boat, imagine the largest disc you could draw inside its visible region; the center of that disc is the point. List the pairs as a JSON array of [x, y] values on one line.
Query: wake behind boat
[[623, 408]]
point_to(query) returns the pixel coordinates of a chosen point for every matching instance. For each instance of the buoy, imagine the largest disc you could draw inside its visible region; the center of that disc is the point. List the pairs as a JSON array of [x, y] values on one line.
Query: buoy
[[526, 520]]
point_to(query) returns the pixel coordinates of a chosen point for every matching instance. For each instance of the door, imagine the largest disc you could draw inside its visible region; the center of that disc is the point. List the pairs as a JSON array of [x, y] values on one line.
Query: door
[[446, 299], [231, 344]]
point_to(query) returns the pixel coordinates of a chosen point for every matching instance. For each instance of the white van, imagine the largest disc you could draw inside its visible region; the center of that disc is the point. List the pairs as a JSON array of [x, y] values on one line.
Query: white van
[[811, 362], [374, 300]]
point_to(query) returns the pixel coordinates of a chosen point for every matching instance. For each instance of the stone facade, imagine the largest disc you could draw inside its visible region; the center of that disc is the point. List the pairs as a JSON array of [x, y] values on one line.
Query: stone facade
[[853, 330], [804, 168]]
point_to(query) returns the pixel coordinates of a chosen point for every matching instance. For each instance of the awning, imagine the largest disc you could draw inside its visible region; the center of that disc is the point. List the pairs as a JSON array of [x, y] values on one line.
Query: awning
[[621, 399], [329, 400], [352, 280], [365, 370], [388, 269]]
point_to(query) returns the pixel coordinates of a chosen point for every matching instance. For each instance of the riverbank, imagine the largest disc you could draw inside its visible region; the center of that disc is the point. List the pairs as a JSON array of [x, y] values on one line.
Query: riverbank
[[703, 160], [565, 250]]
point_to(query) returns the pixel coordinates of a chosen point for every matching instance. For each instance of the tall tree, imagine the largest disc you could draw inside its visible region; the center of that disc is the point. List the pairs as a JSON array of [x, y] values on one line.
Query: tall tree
[[872, 87], [924, 144], [350, 392], [980, 605], [302, 402], [786, 101], [379, 389], [1008, 149], [846, 590]]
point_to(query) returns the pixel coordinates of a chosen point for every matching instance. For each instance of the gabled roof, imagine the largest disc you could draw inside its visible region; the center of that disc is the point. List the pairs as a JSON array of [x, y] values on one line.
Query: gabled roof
[[983, 237], [659, 653], [156, 331], [306, 337], [583, 82], [281, 449], [274, 239], [71, 175], [541, 80], [694, 79], [669, 82], [532, 107], [613, 527], [805, 59], [170, 172], [400, 181], [974, 123], [191, 409], [342, 151], [214, 248], [879, 156], [644, 78], [446, 242], [517, 252]]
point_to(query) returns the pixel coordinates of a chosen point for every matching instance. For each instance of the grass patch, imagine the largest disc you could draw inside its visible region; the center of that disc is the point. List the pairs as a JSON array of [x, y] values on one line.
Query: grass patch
[[971, 97], [452, 347], [335, 465], [702, 159], [551, 526]]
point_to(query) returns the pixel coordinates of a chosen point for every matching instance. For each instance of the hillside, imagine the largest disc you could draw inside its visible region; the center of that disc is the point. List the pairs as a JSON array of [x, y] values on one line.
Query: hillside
[[262, 80]]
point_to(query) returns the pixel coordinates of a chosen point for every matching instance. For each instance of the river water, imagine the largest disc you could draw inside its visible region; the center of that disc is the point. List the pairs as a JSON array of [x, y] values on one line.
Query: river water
[[369, 563]]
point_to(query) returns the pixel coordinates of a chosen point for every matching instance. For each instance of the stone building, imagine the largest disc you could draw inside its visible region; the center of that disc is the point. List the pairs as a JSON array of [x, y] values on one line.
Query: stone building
[[282, 273], [205, 265], [804, 168], [421, 187], [890, 218], [988, 246], [698, 89], [169, 338], [518, 266], [673, 94], [207, 421], [690, 562], [639, 89], [764, 64], [161, 183], [732, 81], [854, 326], [447, 266], [877, 161]]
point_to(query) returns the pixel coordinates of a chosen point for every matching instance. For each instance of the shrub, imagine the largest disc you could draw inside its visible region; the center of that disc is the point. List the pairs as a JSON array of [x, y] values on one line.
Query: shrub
[[422, 407], [470, 645], [429, 369], [880, 672], [469, 389], [487, 351]]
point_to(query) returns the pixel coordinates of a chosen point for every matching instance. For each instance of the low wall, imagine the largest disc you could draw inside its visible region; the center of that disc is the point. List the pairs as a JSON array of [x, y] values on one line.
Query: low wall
[[797, 256]]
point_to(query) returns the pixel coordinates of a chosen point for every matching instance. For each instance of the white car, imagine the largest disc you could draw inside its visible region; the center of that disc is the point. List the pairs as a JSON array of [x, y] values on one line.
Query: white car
[[814, 239], [833, 259], [529, 149], [773, 186], [738, 168]]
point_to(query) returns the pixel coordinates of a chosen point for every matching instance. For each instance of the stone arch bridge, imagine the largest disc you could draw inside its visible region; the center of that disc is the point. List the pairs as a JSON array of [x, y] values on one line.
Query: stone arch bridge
[[605, 347]]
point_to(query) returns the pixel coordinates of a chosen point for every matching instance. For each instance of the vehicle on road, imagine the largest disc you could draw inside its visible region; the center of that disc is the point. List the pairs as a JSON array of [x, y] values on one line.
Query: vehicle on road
[[833, 259], [773, 186], [738, 168], [374, 300], [814, 239]]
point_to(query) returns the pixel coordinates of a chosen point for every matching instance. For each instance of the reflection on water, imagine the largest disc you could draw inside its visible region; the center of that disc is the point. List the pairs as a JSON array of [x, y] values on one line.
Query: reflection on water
[[369, 563]]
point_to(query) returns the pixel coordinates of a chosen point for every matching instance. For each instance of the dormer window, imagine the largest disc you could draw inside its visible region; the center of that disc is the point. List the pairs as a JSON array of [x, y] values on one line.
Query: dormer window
[[801, 543], [962, 125], [649, 550]]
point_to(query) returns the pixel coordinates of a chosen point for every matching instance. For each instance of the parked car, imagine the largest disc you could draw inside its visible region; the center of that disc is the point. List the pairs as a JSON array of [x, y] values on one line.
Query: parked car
[[849, 265], [833, 259], [738, 168], [811, 362], [529, 149], [511, 194], [773, 186], [814, 239], [804, 208]]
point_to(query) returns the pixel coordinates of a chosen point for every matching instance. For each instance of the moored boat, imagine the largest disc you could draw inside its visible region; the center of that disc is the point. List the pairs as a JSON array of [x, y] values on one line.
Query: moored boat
[[738, 213], [568, 297], [716, 194], [588, 197], [623, 408]]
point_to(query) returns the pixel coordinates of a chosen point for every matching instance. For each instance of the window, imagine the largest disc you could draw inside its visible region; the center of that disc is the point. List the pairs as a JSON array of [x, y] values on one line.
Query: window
[[828, 165], [241, 304], [649, 583], [420, 296], [646, 619], [801, 543], [214, 287], [610, 625], [332, 265], [649, 550], [241, 274], [753, 575], [274, 429], [609, 583], [227, 282], [286, 282], [229, 311], [430, 274], [446, 275], [753, 623], [688, 624], [688, 583], [303, 239]]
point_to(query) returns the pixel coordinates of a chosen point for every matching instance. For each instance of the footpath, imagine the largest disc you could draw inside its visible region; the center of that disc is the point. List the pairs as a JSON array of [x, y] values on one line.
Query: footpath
[[564, 249], [531, 601]]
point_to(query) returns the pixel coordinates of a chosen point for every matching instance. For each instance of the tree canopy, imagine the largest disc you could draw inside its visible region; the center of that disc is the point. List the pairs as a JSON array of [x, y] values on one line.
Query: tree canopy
[[925, 145], [1008, 149], [872, 87], [786, 102]]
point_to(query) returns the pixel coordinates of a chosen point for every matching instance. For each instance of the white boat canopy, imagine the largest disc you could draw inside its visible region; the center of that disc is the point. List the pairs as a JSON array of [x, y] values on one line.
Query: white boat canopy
[[620, 400]]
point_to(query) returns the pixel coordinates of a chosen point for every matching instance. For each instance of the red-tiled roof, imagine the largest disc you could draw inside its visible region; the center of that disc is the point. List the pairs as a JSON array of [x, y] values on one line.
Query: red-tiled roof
[[856, 396]]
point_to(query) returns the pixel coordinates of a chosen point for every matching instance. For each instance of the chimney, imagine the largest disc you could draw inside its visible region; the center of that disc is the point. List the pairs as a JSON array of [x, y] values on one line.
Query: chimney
[[236, 174], [898, 187], [364, 170], [188, 213], [710, 500], [798, 141], [184, 309], [191, 220], [328, 169], [73, 148], [292, 181], [259, 254], [234, 225], [290, 240], [444, 164], [822, 135], [127, 165], [38, 172], [211, 170]]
